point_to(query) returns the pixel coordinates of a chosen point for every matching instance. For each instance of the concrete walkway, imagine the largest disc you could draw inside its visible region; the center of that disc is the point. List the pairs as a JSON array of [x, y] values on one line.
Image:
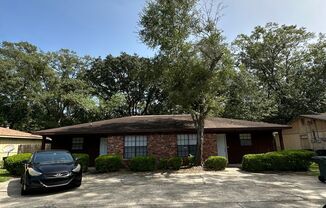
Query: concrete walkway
[[229, 188]]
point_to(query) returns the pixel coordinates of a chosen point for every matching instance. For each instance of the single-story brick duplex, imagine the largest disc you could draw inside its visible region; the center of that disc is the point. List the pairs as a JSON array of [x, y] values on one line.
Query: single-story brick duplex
[[165, 136]]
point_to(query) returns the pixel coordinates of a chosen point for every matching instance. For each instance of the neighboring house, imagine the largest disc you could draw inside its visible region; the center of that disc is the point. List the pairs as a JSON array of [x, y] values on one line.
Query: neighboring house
[[307, 132], [13, 142], [165, 136]]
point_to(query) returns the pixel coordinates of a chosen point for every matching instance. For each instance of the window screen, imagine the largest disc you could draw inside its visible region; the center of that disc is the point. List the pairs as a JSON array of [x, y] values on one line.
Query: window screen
[[135, 146], [245, 139], [187, 144], [77, 143]]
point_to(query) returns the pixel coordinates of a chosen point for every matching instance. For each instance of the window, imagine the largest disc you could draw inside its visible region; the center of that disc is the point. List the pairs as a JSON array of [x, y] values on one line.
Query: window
[[135, 146], [187, 144], [245, 140], [77, 143]]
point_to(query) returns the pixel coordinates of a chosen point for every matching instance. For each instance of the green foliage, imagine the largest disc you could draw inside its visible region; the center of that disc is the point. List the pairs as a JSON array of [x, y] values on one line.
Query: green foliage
[[283, 63], [279, 73], [83, 160], [4, 175], [145, 163], [193, 54], [14, 164], [43, 90], [287, 160], [314, 169], [162, 164], [108, 163], [191, 160], [174, 163], [126, 84], [188, 161], [215, 163]]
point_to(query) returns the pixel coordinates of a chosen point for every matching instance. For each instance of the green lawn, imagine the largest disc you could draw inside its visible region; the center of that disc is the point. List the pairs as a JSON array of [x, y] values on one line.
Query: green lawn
[[4, 175], [314, 169]]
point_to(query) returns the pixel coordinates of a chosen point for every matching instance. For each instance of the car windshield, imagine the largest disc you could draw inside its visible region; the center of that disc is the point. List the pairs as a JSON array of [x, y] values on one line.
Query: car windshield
[[52, 157]]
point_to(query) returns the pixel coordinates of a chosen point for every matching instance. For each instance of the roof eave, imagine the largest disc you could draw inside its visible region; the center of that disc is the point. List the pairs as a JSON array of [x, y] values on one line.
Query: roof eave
[[168, 131]]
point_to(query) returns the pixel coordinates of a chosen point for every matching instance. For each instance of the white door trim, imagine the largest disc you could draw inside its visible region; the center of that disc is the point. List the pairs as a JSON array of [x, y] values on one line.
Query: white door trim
[[222, 149], [103, 146]]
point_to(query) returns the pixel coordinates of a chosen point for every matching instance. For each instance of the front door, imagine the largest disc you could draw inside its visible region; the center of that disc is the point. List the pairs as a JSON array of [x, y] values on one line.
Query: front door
[[221, 145], [103, 146]]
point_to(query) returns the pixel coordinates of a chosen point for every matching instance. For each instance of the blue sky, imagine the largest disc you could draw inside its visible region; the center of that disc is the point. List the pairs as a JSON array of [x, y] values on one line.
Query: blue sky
[[101, 27]]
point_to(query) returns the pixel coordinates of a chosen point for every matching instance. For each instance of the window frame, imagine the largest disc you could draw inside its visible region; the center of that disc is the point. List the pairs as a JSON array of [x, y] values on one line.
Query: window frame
[[136, 147], [245, 139], [185, 144], [74, 144]]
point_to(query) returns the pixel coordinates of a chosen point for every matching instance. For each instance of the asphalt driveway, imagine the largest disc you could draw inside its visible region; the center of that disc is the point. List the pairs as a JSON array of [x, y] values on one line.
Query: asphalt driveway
[[229, 188]]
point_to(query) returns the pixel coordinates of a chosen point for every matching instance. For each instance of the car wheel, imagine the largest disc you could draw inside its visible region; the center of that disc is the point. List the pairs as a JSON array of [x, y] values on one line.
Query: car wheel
[[322, 179], [24, 189]]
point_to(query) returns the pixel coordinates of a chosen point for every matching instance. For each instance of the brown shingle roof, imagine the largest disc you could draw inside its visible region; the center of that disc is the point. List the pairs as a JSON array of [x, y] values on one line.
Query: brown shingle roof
[[11, 133], [158, 124]]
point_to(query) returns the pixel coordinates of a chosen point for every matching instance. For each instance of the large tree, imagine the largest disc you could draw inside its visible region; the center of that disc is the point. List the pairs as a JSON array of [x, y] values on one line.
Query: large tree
[[193, 53], [22, 69], [66, 96], [281, 60], [126, 85], [42, 90]]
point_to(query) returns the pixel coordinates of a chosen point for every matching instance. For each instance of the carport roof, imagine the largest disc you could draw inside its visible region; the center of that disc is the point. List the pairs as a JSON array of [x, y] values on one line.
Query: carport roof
[[158, 124]]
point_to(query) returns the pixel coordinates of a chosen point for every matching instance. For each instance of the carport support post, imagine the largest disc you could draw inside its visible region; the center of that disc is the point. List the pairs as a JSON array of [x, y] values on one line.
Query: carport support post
[[280, 136], [43, 142]]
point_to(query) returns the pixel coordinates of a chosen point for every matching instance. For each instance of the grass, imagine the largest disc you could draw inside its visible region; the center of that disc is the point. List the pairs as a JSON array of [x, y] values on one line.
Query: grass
[[314, 169], [4, 175]]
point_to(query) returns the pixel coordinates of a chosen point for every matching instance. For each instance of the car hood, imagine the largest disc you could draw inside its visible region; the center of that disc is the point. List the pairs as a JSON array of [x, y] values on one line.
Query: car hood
[[54, 168]]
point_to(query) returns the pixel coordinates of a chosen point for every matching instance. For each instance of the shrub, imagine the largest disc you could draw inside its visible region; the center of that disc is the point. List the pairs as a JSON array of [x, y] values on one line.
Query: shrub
[[215, 163], [185, 161], [108, 163], [14, 164], [162, 164], [191, 160], [286, 160], [146, 163], [83, 160], [174, 163]]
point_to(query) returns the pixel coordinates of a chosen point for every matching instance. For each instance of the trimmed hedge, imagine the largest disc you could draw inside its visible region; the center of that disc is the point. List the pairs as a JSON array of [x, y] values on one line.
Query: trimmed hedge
[[108, 163], [162, 164], [83, 160], [174, 163], [191, 159], [142, 163], [215, 163], [286, 160], [14, 164]]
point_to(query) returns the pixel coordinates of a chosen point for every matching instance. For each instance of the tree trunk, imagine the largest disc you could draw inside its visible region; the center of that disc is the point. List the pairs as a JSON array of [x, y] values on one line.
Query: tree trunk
[[199, 122]]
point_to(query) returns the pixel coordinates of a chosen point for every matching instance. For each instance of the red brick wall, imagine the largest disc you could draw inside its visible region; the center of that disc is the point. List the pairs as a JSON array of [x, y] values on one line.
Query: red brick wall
[[210, 145], [115, 145], [162, 145]]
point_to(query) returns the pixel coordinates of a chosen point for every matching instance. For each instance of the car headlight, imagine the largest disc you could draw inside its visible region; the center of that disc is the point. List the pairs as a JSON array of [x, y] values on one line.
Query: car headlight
[[76, 169], [33, 172]]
